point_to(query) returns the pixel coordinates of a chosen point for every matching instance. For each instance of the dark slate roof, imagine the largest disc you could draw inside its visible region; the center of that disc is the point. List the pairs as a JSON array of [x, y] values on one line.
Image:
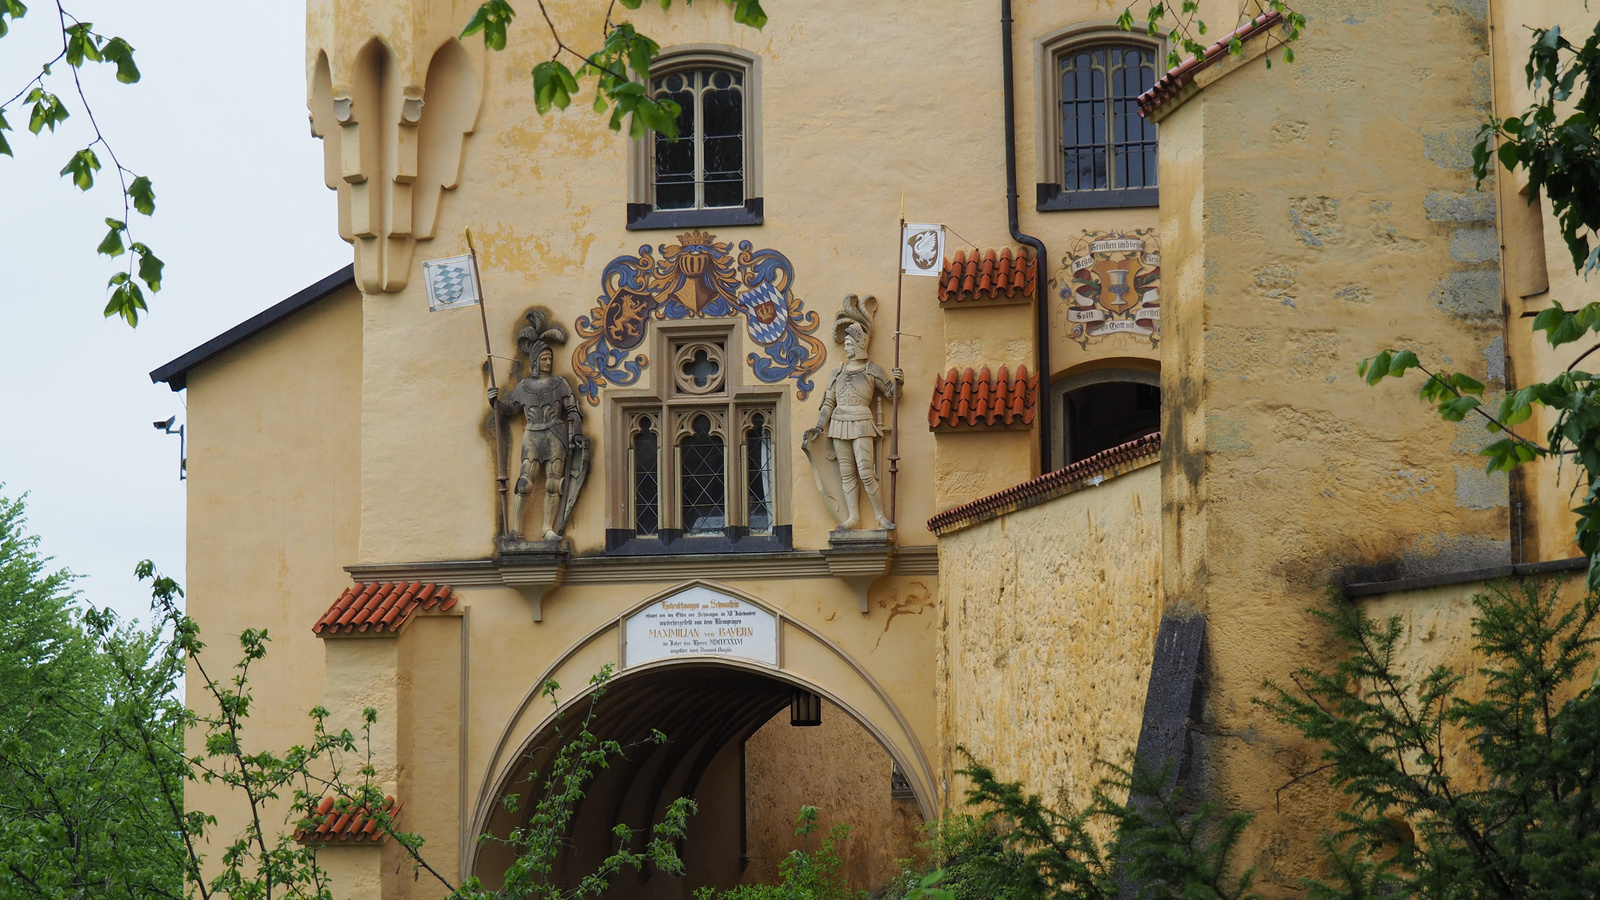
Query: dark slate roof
[[176, 373]]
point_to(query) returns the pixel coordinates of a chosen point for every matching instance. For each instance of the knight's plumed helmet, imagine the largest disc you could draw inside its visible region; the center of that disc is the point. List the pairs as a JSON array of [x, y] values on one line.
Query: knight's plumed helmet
[[854, 318], [541, 332]]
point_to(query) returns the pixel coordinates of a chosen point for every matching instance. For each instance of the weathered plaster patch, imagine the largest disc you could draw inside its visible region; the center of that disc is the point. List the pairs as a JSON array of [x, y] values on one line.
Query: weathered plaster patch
[[1235, 214], [1480, 81], [1437, 554], [1289, 131], [1223, 435], [1354, 293], [1494, 357], [1450, 148], [1326, 72], [1276, 281], [1474, 245], [1241, 352], [1407, 484], [1477, 9], [1389, 237], [1470, 206], [964, 352], [1350, 12], [1477, 489], [1315, 354], [1469, 295], [1472, 433], [1315, 220]]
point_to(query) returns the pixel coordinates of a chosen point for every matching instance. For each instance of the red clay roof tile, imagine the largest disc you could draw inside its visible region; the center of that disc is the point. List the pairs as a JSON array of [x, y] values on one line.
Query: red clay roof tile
[[354, 824], [1113, 461], [988, 275], [381, 607], [966, 399], [1168, 85]]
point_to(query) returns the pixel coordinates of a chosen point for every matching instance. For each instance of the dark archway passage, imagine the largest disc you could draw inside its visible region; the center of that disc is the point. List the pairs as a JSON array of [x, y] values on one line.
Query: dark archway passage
[[709, 712]]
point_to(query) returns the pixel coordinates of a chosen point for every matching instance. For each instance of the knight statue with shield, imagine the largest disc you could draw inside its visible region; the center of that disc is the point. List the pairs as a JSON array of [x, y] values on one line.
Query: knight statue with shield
[[552, 436], [848, 419]]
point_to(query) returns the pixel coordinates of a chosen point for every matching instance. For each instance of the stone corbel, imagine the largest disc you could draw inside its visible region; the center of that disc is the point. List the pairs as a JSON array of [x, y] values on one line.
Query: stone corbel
[[859, 558], [534, 568]]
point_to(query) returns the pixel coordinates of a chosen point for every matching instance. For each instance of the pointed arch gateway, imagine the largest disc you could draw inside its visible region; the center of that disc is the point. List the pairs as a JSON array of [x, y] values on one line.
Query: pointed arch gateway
[[708, 665]]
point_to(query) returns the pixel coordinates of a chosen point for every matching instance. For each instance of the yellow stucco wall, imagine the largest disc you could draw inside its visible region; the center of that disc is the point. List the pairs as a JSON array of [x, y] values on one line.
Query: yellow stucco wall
[[274, 501], [1538, 272], [1282, 472], [1049, 621], [1303, 227], [839, 768]]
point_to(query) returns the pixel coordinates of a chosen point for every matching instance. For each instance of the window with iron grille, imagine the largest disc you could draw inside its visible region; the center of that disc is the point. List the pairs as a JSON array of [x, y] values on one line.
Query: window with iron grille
[[710, 172], [1102, 152], [703, 167]]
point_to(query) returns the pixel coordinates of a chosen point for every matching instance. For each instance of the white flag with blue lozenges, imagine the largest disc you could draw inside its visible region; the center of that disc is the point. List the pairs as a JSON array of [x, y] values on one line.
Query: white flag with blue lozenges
[[452, 283]]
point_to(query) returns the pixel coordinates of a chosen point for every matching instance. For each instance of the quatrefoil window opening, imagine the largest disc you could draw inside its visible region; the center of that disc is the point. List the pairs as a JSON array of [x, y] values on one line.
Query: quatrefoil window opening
[[700, 367]]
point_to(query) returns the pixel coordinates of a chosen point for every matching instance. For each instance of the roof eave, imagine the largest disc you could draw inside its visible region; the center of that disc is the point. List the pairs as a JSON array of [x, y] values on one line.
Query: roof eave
[[175, 374]]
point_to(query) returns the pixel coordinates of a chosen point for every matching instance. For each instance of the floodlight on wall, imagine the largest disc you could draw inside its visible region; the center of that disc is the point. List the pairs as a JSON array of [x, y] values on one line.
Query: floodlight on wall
[[805, 708], [183, 444]]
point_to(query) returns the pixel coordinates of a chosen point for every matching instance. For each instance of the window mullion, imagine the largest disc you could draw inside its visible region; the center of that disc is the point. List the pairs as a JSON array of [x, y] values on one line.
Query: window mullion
[[699, 141]]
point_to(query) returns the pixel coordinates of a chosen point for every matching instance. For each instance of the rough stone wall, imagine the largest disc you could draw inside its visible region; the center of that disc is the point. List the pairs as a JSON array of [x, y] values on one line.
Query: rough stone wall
[[839, 768], [1050, 617]]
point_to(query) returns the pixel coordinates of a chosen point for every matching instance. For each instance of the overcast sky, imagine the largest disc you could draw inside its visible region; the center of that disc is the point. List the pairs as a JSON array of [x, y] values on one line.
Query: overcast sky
[[243, 220]]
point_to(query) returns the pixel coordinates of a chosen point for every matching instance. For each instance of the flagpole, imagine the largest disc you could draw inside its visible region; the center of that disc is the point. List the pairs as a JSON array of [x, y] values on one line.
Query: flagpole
[[502, 480], [894, 425]]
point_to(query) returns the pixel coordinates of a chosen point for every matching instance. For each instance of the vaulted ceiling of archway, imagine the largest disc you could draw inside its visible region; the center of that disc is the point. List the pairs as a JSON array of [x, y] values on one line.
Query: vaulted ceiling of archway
[[699, 708]]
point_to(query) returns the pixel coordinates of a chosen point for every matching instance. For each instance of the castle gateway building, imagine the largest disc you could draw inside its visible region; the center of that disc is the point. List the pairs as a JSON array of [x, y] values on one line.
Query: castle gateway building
[[1051, 476]]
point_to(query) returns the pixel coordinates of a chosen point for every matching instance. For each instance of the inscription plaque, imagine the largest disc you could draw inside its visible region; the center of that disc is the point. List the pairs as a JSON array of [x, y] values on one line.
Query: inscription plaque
[[700, 622]]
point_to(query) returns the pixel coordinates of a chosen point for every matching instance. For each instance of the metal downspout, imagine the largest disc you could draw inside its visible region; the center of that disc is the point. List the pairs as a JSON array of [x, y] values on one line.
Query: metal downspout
[[1041, 310]]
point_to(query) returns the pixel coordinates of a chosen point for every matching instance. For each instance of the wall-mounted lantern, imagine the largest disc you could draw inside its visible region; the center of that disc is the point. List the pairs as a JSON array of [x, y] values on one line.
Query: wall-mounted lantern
[[805, 708]]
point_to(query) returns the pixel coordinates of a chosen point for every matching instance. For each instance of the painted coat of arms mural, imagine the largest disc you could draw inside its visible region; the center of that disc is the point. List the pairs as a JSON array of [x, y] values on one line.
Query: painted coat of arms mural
[[698, 277], [1111, 284]]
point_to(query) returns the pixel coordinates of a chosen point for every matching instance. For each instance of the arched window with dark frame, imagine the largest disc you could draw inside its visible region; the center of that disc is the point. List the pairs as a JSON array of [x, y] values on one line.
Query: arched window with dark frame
[[1101, 409], [704, 166], [1105, 151]]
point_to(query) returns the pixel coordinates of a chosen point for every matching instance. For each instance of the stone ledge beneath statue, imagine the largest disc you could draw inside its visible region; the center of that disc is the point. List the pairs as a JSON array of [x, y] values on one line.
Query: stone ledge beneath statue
[[859, 557], [534, 568]]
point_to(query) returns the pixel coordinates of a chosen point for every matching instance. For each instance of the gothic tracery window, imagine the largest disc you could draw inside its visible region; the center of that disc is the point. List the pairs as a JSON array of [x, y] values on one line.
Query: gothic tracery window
[[700, 455]]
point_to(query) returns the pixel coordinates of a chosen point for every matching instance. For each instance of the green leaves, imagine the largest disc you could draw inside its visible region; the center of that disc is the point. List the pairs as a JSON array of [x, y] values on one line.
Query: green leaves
[[1559, 156], [10, 9], [111, 245], [620, 68], [1501, 813], [119, 52], [84, 45], [492, 18], [81, 168], [127, 298], [1184, 33], [1386, 364], [142, 195], [553, 85], [47, 110], [4, 127]]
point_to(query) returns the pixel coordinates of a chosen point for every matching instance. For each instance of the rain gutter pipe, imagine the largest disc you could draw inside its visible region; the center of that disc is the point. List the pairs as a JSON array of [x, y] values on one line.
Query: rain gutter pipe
[[1041, 310]]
